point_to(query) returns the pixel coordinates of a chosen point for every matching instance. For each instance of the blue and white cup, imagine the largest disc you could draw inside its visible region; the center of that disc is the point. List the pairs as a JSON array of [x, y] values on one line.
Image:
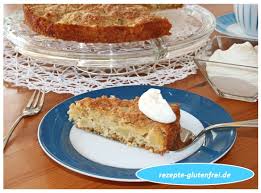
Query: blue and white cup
[[247, 17]]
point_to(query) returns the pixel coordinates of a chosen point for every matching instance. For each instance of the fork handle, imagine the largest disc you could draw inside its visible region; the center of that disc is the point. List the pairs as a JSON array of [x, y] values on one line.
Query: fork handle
[[248, 123], [10, 132]]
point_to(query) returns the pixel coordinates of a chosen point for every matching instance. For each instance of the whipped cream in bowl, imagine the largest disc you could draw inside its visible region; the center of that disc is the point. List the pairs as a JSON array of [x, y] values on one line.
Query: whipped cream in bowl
[[231, 68], [235, 79], [154, 106]]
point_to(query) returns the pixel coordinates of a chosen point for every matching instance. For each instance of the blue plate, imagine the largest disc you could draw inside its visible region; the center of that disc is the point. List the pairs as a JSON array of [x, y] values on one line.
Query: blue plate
[[227, 25], [54, 129]]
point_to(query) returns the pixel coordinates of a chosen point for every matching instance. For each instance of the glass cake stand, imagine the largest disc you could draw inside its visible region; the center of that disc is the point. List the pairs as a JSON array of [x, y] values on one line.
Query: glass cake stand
[[192, 26]]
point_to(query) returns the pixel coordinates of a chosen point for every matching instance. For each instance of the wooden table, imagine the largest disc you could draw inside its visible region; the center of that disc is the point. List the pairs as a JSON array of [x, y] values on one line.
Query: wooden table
[[26, 165]]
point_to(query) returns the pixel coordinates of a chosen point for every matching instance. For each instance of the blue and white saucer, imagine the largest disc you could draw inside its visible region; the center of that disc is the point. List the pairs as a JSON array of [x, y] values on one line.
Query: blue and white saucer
[[227, 25]]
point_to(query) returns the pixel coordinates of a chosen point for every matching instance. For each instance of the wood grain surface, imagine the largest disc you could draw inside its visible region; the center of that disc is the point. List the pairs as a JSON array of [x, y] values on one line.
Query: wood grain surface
[[27, 166]]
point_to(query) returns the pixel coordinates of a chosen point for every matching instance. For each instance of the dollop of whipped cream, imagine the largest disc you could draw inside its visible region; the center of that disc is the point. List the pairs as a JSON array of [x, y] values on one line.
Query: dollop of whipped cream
[[155, 107], [244, 54]]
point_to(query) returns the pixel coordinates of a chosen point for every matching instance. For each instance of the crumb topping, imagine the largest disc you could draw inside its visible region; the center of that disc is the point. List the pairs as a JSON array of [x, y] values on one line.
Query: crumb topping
[[95, 15]]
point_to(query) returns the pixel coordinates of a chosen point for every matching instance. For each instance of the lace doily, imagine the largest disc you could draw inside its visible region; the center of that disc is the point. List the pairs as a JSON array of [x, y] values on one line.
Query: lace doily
[[35, 74]]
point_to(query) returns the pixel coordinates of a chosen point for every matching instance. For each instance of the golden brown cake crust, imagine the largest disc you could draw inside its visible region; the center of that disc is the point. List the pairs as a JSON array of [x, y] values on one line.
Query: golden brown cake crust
[[88, 23], [127, 111]]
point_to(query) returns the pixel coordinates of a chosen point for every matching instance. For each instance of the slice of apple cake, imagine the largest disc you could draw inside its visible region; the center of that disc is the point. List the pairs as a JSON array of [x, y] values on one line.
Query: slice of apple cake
[[121, 120]]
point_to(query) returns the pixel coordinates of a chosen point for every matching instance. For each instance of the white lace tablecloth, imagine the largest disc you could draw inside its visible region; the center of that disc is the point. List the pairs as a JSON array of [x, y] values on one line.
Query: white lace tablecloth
[[33, 74]]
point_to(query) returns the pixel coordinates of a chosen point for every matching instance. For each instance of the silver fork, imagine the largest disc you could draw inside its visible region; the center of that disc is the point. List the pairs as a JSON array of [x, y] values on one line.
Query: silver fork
[[33, 107], [188, 138]]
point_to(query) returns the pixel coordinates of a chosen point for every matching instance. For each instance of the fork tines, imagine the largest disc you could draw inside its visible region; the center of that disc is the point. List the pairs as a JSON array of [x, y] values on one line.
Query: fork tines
[[36, 100]]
